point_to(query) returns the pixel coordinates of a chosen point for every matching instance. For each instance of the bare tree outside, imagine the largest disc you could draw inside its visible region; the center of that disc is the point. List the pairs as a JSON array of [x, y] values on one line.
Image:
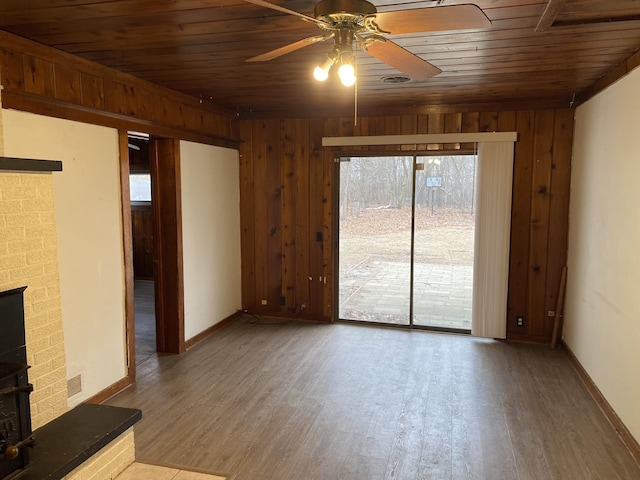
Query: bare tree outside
[[376, 196]]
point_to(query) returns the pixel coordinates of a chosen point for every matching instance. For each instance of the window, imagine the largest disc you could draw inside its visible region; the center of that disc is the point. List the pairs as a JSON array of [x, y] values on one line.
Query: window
[[140, 187]]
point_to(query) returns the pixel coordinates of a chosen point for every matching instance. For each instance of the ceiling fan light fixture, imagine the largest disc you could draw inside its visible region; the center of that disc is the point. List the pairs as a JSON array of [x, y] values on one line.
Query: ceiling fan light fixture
[[347, 70], [347, 74], [321, 72]]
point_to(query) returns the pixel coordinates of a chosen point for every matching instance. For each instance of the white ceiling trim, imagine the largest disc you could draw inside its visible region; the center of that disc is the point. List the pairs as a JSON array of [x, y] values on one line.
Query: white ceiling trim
[[419, 138]]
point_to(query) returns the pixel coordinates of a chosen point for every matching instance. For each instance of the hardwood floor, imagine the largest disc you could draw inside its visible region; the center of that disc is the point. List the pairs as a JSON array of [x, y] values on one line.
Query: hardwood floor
[[304, 401], [145, 318]]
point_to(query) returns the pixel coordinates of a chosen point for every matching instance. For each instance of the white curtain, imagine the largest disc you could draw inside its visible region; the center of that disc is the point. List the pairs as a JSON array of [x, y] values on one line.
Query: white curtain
[[492, 239]]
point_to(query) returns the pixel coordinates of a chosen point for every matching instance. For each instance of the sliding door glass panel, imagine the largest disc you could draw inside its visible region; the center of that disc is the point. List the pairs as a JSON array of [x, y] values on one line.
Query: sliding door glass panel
[[375, 239], [444, 241]]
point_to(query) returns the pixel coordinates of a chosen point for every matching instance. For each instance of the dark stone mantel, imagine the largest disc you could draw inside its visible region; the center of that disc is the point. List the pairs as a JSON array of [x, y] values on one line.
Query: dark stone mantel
[[73, 438], [30, 165]]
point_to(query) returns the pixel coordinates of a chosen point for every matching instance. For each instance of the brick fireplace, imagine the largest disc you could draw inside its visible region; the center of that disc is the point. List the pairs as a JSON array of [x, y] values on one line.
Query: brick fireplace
[[28, 257]]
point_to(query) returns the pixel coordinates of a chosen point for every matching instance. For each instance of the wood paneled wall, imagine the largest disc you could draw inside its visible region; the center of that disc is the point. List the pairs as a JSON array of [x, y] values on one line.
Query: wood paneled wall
[[46, 81], [142, 237], [287, 176], [287, 213]]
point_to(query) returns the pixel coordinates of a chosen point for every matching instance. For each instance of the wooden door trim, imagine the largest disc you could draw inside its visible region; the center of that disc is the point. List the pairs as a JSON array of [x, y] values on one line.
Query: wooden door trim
[[127, 243], [167, 212]]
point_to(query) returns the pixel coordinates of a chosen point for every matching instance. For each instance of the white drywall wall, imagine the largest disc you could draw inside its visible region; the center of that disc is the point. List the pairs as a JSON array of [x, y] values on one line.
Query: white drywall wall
[[90, 247], [211, 234], [602, 313]]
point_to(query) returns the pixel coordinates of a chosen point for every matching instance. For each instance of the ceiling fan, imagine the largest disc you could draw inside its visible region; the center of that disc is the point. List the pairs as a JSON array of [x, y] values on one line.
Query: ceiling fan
[[358, 22]]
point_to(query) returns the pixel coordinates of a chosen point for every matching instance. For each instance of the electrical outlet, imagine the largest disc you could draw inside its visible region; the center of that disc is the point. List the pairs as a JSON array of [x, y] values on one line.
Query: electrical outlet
[[264, 302], [551, 313], [520, 321]]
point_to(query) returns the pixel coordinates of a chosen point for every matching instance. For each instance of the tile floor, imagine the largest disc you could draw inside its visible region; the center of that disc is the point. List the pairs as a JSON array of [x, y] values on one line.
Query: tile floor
[[144, 471]]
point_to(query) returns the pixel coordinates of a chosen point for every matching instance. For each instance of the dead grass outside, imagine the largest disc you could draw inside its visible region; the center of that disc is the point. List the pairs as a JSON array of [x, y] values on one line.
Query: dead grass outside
[[446, 237]]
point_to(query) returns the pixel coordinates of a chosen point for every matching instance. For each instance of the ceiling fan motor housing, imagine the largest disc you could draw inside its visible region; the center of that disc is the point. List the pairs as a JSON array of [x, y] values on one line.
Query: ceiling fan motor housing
[[345, 12]]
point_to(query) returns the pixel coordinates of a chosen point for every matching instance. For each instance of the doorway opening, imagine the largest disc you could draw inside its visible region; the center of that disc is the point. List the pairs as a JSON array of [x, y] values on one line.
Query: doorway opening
[[406, 229], [142, 228], [159, 248]]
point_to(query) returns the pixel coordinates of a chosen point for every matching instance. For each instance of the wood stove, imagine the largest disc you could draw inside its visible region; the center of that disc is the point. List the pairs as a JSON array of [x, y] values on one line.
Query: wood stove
[[15, 413]]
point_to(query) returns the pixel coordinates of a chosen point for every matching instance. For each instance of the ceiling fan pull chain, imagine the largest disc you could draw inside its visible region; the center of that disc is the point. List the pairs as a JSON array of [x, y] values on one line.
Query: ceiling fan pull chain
[[355, 87]]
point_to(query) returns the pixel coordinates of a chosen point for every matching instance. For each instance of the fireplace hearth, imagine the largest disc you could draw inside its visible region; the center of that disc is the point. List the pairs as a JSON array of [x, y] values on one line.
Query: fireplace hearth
[[15, 415], [66, 442]]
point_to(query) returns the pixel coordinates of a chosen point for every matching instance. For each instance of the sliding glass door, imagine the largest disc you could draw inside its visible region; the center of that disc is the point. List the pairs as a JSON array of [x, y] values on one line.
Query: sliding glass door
[[406, 233], [375, 209], [444, 241]]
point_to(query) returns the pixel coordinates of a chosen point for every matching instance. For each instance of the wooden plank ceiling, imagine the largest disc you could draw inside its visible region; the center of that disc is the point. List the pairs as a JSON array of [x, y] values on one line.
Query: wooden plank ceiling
[[535, 53]]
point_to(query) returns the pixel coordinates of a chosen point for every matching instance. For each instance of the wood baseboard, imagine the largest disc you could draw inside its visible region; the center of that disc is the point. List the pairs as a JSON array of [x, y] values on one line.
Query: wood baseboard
[[211, 330], [111, 391], [287, 315], [623, 432], [126, 382]]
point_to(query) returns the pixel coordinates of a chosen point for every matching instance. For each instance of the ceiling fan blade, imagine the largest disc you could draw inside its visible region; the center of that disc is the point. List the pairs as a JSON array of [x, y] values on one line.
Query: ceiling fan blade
[[292, 47], [402, 60], [433, 19], [273, 6]]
